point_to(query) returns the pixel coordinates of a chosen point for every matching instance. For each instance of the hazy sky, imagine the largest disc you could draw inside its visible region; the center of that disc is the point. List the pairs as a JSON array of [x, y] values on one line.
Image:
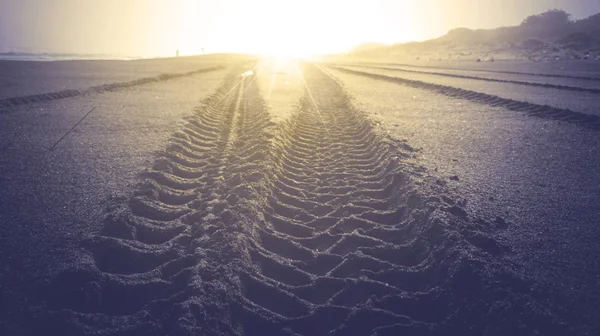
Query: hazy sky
[[159, 27]]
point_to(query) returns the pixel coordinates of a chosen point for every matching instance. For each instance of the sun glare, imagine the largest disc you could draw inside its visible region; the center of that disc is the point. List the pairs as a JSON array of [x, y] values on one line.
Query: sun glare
[[278, 28]]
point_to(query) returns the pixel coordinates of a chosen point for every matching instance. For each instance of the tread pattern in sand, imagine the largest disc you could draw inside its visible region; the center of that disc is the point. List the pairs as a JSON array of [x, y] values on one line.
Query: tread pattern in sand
[[335, 223], [147, 259], [7, 103], [537, 74], [496, 80], [589, 121], [348, 246], [309, 227]]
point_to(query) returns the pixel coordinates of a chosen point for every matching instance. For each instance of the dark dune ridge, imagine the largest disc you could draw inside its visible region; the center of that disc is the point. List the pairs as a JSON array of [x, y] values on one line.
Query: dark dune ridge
[[314, 226]]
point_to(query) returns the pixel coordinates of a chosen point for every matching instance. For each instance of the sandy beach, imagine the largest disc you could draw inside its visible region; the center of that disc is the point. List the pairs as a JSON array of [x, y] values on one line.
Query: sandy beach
[[235, 195]]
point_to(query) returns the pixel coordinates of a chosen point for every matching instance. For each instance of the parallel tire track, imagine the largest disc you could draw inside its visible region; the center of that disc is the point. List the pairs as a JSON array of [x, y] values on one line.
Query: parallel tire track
[[50, 96], [309, 227], [443, 74], [343, 244], [486, 70], [157, 264], [542, 111], [333, 217]]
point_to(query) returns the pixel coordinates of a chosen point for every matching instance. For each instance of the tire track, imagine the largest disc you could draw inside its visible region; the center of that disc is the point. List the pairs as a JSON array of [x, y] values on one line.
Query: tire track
[[322, 223], [50, 96], [489, 71], [160, 262], [543, 85], [343, 244], [309, 227], [542, 111]]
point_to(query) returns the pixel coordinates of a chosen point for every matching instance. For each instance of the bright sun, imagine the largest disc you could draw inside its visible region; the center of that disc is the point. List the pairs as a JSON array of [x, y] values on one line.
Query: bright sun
[[279, 28]]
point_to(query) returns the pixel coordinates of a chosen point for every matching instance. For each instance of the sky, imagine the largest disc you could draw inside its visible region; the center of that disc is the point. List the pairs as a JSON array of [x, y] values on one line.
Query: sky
[[151, 28]]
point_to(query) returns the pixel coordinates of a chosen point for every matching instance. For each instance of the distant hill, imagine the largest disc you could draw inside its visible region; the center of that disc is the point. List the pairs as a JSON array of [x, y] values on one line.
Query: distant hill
[[368, 47], [552, 29]]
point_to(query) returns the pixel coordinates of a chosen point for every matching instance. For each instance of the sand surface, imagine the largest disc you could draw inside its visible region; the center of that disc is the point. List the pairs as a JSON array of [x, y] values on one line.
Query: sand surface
[[541, 176], [580, 81], [571, 97], [22, 78], [561, 68], [52, 199], [277, 197]]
